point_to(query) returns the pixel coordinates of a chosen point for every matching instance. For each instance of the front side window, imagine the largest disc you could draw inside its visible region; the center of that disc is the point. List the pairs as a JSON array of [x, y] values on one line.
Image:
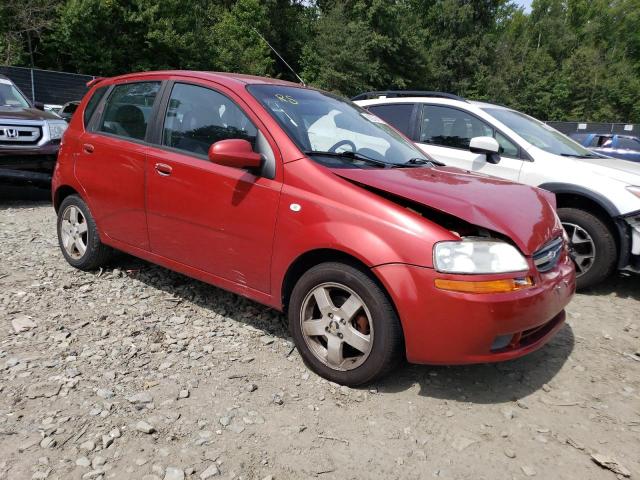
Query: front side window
[[396, 114], [198, 117], [330, 129], [628, 143], [450, 127], [539, 134], [128, 109], [507, 148], [10, 96]]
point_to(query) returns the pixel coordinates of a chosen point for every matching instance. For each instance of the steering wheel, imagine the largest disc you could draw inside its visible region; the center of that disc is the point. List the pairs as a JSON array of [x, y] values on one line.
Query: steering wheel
[[342, 143]]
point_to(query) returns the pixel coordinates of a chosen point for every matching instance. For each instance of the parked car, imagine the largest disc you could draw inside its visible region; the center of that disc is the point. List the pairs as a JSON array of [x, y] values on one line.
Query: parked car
[[598, 200], [626, 147], [29, 138], [306, 203], [68, 109]]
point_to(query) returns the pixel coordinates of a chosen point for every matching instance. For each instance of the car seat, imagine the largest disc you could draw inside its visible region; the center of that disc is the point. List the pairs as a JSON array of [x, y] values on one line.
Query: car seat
[[131, 119]]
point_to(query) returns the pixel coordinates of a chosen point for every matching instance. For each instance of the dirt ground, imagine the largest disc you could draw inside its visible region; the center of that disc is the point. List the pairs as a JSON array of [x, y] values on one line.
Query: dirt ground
[[138, 372]]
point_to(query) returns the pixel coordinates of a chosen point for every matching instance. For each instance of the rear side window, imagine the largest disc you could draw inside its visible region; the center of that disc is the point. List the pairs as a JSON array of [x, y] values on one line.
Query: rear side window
[[92, 104], [602, 141], [198, 117], [397, 115], [450, 127], [128, 109]]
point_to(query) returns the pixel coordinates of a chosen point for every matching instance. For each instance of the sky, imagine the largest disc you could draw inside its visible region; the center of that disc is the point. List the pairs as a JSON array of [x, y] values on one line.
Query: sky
[[525, 3]]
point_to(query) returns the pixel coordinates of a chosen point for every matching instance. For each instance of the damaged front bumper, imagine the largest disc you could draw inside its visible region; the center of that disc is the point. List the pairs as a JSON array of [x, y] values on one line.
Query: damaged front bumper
[[629, 229]]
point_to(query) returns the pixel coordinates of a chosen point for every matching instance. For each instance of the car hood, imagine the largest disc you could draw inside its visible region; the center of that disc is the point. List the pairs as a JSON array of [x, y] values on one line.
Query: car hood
[[11, 113], [524, 214], [622, 170]]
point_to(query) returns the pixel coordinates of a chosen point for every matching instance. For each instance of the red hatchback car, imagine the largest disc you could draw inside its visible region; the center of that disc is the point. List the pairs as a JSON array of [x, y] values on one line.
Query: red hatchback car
[[305, 202]]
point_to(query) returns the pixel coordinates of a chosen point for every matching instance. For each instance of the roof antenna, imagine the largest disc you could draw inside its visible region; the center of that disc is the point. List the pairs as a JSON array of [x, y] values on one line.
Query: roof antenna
[[280, 57]]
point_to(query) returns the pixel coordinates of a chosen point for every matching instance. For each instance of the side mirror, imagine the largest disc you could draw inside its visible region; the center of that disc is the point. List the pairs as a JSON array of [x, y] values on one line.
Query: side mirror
[[235, 153], [38, 105], [486, 146]]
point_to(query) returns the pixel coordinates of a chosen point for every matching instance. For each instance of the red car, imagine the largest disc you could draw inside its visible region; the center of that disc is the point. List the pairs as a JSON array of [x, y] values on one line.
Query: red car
[[303, 201]]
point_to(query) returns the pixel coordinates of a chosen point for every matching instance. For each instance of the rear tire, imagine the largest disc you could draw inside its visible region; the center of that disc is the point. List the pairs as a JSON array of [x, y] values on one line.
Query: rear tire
[[78, 235], [344, 325], [593, 246]]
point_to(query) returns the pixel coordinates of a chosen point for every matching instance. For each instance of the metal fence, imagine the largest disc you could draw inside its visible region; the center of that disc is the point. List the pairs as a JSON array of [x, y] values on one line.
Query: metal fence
[[48, 86], [584, 127]]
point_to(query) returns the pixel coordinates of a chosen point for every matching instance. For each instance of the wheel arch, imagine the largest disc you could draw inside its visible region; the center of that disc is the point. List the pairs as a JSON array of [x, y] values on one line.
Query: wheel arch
[[574, 196], [315, 257], [62, 192]]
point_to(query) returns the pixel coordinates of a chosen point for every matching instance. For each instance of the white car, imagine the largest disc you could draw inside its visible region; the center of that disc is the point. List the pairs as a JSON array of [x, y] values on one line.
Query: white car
[[598, 199]]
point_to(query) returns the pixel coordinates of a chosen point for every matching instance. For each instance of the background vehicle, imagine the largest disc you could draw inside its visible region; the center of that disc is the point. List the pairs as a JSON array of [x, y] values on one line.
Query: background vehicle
[[29, 138], [304, 202], [68, 109], [598, 200], [626, 147]]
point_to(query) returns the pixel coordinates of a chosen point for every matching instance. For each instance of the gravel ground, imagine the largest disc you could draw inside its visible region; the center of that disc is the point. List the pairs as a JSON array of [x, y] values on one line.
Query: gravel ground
[[138, 372]]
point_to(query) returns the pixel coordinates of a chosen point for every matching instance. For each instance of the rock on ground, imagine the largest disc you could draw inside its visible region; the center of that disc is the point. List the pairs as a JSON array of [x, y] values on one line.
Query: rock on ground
[[194, 380]]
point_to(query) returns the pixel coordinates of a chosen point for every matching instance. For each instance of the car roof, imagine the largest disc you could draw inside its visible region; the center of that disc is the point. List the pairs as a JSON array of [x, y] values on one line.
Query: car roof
[[431, 100], [224, 78]]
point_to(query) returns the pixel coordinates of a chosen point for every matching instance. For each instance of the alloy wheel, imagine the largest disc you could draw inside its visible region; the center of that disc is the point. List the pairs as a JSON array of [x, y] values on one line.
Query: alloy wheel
[[336, 326], [582, 248], [74, 232]]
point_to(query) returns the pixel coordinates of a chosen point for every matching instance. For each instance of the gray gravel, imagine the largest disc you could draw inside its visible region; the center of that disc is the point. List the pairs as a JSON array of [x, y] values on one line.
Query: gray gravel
[[138, 372]]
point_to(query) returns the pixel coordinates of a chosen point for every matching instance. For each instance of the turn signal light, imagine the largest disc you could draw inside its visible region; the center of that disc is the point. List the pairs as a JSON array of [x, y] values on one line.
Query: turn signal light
[[490, 286]]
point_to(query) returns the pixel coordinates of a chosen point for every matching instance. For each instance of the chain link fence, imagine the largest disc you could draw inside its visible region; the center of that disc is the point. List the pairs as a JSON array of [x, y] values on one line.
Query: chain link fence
[[584, 127], [48, 86]]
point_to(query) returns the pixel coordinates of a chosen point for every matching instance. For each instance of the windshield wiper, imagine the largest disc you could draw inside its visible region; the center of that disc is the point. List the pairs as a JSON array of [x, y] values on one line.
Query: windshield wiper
[[419, 162], [591, 155], [351, 156]]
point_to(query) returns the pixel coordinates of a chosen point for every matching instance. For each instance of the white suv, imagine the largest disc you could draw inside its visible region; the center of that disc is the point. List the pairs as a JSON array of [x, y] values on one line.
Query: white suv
[[598, 197]]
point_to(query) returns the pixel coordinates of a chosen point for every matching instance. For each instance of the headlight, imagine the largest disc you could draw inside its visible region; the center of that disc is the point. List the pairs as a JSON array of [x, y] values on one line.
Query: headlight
[[57, 129], [635, 190], [476, 255]]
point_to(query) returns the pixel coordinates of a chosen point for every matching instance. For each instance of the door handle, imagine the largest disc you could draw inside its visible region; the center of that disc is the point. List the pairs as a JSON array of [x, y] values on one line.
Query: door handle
[[88, 148], [163, 169]]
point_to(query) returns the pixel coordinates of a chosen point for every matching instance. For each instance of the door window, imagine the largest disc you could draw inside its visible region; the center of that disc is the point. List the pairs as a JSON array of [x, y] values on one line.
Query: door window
[[628, 143], [507, 148], [128, 109], [601, 141], [450, 127], [93, 103], [397, 114], [198, 117]]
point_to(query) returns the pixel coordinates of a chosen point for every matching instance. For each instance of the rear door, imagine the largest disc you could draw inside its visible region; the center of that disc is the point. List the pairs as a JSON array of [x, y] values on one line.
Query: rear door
[[215, 218], [445, 133], [111, 162]]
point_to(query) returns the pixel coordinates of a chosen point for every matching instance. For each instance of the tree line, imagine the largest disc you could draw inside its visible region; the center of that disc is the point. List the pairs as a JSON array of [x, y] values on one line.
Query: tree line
[[563, 60]]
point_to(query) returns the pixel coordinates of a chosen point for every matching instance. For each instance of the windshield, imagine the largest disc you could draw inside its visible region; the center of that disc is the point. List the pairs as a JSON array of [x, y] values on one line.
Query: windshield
[[539, 134], [320, 122], [10, 96]]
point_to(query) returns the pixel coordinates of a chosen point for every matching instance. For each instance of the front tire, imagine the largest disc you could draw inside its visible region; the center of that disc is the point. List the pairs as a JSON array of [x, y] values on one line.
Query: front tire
[[593, 246], [344, 325], [78, 235]]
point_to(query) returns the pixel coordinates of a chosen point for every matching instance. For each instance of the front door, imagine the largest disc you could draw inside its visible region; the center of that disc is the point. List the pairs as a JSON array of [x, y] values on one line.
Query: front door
[[111, 162], [218, 219], [445, 134]]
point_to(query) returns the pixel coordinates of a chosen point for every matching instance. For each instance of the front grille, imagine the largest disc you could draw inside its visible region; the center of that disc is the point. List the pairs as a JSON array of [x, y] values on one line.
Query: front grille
[[547, 257], [19, 134]]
